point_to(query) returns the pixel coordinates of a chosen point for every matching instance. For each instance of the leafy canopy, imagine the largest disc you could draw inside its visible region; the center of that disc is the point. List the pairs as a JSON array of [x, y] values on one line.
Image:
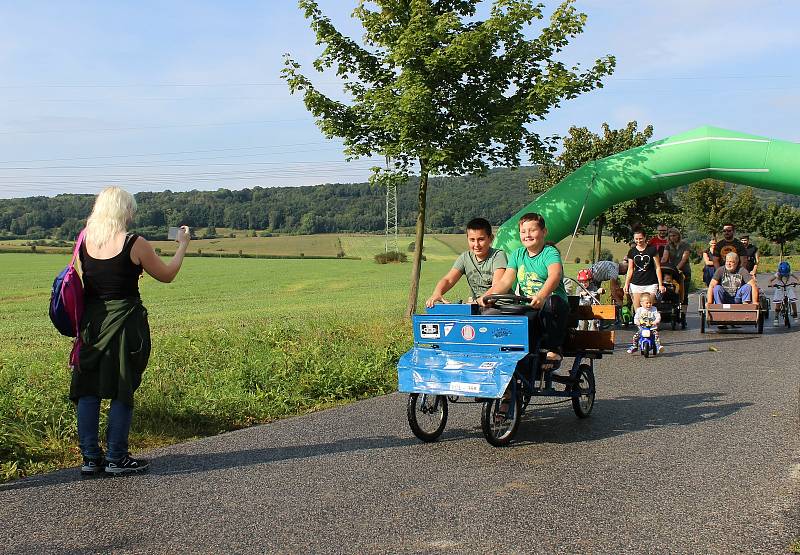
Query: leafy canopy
[[433, 85]]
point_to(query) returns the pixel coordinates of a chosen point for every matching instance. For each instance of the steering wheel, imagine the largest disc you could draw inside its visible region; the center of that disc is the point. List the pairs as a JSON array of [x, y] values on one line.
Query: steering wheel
[[509, 304], [506, 300]]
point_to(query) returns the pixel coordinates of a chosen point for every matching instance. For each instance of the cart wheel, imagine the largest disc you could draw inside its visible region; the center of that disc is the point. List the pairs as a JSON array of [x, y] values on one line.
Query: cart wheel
[[583, 404], [497, 429], [683, 320], [427, 415], [703, 322], [761, 323], [646, 350]]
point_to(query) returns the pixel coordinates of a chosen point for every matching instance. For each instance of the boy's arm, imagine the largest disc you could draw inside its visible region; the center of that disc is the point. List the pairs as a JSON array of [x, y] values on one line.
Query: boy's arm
[[657, 319], [500, 286], [554, 273], [445, 284]]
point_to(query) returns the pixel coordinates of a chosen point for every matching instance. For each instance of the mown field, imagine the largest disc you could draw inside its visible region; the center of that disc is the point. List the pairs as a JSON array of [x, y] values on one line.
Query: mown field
[[437, 246]]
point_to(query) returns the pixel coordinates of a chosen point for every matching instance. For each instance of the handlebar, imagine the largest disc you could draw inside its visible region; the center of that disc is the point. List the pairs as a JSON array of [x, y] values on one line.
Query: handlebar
[[785, 285]]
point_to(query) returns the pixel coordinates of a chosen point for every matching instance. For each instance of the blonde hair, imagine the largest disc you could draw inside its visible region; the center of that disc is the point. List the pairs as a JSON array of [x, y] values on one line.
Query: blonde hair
[[646, 297], [113, 211]]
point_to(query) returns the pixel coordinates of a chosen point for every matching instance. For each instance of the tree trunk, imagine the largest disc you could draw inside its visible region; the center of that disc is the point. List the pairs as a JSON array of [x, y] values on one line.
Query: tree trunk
[[598, 237], [413, 291]]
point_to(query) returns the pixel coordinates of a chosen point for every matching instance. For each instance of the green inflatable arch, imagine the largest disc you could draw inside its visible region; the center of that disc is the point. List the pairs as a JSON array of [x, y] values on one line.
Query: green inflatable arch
[[705, 152]]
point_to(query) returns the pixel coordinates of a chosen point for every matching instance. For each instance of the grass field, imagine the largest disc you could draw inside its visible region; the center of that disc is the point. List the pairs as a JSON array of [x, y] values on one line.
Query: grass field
[[437, 246]]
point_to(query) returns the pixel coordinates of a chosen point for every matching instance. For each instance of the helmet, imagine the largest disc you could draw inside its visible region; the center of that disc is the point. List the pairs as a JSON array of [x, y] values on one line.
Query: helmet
[[784, 269], [585, 275]]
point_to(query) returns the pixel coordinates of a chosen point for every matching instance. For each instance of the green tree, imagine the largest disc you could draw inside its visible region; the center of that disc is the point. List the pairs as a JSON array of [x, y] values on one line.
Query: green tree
[[780, 224], [581, 146], [705, 205], [435, 88], [745, 211]]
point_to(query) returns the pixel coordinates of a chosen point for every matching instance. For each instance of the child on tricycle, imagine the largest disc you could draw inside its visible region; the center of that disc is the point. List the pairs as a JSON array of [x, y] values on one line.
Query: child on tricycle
[[647, 319], [782, 280]]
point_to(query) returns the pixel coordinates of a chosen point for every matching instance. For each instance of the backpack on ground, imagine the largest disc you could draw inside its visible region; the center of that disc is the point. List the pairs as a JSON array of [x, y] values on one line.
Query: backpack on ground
[[66, 299]]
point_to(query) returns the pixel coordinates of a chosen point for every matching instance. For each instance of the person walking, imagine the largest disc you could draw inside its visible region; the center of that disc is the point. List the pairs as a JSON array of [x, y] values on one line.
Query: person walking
[[114, 331], [644, 270]]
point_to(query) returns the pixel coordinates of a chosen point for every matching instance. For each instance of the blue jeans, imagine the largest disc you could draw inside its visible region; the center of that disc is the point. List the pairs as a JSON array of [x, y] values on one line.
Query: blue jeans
[[743, 295], [119, 425]]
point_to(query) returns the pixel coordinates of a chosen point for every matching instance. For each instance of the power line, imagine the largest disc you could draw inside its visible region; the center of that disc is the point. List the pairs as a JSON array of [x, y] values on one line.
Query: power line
[[159, 153], [171, 126]]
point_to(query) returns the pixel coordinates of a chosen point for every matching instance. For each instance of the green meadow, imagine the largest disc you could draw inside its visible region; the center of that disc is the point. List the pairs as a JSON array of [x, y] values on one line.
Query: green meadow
[[236, 341]]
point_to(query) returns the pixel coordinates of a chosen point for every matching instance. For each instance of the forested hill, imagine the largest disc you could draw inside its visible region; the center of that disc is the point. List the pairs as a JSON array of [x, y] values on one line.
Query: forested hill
[[352, 207]]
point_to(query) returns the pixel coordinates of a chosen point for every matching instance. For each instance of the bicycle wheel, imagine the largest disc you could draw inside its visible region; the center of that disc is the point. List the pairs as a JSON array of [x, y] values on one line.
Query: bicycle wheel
[[427, 415], [584, 403], [500, 426]]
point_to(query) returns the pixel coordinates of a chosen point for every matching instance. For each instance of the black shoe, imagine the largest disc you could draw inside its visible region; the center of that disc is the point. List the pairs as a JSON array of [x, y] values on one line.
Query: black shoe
[[92, 467], [127, 465]]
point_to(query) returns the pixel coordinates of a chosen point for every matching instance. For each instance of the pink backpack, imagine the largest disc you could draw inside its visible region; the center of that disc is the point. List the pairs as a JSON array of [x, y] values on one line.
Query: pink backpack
[[66, 301]]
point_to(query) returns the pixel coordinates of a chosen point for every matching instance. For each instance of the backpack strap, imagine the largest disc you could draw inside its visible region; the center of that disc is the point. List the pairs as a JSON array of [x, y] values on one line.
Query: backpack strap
[[77, 248]]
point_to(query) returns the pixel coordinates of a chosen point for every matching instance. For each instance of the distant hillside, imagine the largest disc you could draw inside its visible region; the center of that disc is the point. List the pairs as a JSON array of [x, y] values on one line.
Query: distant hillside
[[330, 208]]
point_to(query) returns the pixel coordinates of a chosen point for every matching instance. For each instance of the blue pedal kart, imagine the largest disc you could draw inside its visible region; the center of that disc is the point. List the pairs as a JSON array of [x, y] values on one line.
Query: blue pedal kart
[[460, 355]]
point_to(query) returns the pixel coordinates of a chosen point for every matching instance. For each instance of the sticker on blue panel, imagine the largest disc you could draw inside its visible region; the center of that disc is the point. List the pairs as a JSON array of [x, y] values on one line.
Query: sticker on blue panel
[[429, 331], [468, 332]]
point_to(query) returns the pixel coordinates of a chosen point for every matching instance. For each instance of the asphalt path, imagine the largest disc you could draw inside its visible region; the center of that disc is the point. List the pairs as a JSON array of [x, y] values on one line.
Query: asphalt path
[[694, 451]]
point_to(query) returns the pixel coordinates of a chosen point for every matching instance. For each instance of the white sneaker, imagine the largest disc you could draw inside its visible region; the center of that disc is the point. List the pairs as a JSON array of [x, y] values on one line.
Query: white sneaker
[[775, 322], [660, 349]]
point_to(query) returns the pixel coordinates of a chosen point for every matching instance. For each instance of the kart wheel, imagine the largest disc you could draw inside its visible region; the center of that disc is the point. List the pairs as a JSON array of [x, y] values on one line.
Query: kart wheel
[[427, 415], [499, 428], [683, 320], [583, 404], [761, 323], [703, 322], [645, 350]]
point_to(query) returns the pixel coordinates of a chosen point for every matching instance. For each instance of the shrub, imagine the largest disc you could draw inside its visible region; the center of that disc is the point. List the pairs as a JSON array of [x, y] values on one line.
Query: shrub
[[391, 256]]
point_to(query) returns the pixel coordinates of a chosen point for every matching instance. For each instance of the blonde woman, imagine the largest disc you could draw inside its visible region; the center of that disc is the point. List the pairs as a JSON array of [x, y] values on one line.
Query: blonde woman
[[114, 331]]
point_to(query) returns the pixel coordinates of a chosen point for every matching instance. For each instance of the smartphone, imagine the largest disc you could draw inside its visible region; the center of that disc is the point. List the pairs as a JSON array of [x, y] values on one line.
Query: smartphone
[[172, 234]]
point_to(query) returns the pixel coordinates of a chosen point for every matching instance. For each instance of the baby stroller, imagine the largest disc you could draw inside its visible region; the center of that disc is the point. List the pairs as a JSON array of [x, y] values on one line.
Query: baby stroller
[[669, 304]]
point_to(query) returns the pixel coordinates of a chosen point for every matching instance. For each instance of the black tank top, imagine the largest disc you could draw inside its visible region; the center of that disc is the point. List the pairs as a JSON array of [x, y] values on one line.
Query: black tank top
[[112, 278]]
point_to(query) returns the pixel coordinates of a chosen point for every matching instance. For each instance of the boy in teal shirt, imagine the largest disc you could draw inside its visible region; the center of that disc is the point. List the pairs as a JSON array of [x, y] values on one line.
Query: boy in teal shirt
[[537, 269]]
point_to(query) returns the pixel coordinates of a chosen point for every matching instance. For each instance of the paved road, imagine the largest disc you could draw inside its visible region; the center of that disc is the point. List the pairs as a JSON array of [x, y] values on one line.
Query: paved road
[[695, 451]]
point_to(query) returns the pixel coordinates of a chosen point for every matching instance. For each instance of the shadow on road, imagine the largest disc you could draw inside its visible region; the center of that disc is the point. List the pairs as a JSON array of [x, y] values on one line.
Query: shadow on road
[[541, 424], [623, 415]]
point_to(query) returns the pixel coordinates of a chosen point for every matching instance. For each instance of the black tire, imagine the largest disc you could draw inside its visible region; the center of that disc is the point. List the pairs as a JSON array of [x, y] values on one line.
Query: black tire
[[674, 323], [703, 322], [500, 431], [761, 323], [786, 319], [584, 404], [683, 320], [646, 350], [433, 410]]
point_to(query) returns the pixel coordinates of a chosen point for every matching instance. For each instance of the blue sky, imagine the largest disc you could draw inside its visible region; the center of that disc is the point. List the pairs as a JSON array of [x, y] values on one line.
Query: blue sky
[[187, 95]]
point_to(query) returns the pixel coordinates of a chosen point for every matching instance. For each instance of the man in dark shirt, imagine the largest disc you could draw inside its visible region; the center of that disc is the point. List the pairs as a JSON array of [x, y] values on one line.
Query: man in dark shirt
[[727, 245], [751, 251], [732, 284]]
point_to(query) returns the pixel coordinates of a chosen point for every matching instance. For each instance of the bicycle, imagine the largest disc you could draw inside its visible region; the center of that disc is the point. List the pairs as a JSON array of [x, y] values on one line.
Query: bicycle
[[784, 307]]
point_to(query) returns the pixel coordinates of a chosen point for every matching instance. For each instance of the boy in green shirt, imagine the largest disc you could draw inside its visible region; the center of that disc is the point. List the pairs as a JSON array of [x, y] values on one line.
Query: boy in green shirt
[[537, 269], [481, 264]]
